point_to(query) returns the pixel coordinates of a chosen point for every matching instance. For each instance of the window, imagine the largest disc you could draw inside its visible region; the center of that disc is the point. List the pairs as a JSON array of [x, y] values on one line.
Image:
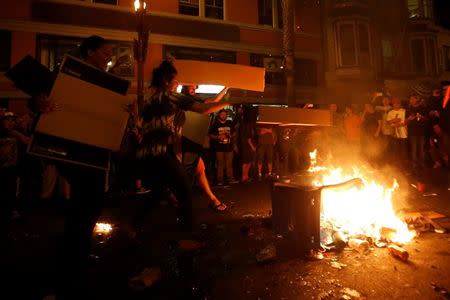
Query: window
[[431, 54], [364, 47], [353, 44], [388, 55], [213, 9], [112, 2], [5, 50], [200, 54], [418, 55], [51, 51], [305, 72], [347, 45], [447, 58], [189, 7], [265, 12], [420, 8], [273, 65], [279, 8], [270, 12], [305, 69], [423, 55]]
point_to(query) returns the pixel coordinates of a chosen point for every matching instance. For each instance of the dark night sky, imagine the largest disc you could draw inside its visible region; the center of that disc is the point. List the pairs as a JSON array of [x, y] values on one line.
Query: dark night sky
[[443, 12]]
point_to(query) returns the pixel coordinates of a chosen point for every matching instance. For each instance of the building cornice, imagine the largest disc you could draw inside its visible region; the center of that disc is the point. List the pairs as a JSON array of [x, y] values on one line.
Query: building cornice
[[128, 36]]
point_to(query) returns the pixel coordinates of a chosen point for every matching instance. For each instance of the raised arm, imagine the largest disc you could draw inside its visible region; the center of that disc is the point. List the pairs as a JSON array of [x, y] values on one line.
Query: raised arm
[[218, 97], [208, 108]]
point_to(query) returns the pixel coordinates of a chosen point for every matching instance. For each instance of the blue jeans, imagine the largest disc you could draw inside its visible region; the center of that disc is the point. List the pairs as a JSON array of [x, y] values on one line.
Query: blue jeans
[[416, 146]]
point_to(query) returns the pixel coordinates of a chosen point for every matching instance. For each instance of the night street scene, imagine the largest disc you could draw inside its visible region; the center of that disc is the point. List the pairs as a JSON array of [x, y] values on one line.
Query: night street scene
[[224, 149]]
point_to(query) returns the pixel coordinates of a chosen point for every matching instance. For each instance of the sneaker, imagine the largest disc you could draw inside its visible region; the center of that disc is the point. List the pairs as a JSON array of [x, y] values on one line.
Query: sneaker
[[219, 183], [233, 181], [142, 190]]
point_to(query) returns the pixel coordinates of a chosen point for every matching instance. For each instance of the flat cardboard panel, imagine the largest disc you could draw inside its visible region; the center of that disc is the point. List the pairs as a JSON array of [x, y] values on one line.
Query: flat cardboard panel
[[230, 75], [294, 116], [89, 114], [196, 127]]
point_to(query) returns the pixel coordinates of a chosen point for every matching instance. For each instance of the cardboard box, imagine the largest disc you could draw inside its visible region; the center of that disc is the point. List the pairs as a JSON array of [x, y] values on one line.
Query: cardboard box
[[229, 75], [196, 127], [294, 116], [92, 106], [91, 120]]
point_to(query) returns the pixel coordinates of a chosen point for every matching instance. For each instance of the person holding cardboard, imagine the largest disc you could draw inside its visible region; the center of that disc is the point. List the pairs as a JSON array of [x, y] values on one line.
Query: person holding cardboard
[[191, 158], [87, 192], [156, 153]]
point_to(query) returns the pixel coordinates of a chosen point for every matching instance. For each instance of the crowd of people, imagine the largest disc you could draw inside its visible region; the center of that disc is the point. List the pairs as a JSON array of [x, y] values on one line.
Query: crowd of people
[[157, 158], [410, 135]]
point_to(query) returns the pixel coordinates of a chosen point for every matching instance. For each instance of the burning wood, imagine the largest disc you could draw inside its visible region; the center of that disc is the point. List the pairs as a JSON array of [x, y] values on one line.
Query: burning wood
[[355, 204]]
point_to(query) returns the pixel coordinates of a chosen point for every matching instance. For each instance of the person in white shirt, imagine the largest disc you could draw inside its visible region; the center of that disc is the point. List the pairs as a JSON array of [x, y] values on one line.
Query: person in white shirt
[[396, 119]]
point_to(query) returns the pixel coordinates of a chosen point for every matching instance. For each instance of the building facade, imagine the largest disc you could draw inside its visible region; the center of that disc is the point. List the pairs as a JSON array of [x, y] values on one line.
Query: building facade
[[344, 49], [230, 31], [371, 45]]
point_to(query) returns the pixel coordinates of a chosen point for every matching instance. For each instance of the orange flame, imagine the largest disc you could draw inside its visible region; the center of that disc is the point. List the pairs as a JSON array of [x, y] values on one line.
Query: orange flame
[[363, 210], [102, 228]]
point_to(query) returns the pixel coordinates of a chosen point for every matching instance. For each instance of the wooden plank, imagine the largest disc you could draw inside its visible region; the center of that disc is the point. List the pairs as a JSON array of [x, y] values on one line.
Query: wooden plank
[[294, 116], [230, 75]]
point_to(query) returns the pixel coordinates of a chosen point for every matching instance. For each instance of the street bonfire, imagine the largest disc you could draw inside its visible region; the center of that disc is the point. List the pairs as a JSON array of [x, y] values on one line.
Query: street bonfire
[[358, 216]]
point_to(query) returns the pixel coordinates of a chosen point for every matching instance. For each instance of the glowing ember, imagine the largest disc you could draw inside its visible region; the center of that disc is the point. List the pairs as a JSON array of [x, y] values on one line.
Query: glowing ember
[[363, 210], [102, 228]]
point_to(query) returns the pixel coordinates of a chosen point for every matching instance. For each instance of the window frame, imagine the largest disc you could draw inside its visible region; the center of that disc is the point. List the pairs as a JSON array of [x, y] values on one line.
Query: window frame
[[202, 10], [424, 9], [431, 64], [51, 62], [356, 42], [277, 17]]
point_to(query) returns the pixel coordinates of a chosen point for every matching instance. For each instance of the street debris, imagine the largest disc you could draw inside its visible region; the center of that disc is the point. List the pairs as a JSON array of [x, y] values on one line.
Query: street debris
[[380, 244], [147, 278], [362, 246], [398, 252], [325, 295], [267, 254], [441, 290], [349, 293], [337, 265], [430, 195], [424, 221]]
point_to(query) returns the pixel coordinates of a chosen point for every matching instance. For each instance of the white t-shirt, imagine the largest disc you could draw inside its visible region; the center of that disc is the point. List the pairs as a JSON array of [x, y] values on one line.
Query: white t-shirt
[[399, 132], [386, 129]]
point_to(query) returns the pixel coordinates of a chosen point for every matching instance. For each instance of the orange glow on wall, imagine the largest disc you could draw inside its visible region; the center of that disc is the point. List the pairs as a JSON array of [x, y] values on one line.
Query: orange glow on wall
[[18, 9], [242, 11], [22, 44]]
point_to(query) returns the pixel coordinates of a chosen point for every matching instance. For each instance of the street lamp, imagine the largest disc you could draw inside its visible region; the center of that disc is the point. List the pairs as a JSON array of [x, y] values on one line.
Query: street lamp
[[140, 48]]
